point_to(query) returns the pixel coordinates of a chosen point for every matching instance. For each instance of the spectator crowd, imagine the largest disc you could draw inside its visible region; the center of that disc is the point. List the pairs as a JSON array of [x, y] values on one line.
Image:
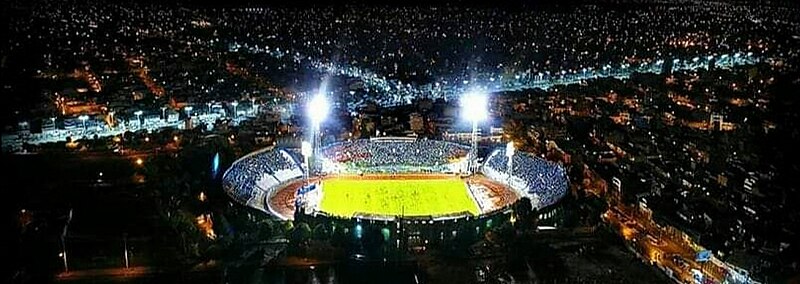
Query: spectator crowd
[[544, 182], [253, 177], [393, 155]]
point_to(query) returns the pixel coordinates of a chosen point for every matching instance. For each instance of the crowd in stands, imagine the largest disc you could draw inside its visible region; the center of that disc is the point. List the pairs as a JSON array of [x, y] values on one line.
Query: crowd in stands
[[400, 154], [253, 177], [542, 181]]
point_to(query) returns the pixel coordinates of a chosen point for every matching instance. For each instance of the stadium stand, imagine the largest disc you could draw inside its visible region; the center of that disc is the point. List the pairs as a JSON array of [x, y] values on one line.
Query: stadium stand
[[253, 177], [393, 155], [543, 182]]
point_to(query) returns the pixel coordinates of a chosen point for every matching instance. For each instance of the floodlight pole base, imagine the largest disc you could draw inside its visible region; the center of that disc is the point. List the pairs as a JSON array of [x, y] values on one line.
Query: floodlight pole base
[[474, 149]]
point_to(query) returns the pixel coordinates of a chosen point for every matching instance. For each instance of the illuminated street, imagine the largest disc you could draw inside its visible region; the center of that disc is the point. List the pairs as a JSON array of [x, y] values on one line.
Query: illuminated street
[[667, 248], [407, 142]]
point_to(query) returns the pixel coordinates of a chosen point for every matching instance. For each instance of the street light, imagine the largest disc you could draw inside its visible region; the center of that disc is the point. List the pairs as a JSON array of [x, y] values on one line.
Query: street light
[[84, 118], [164, 113], [53, 120], [474, 106], [188, 110], [253, 104], [234, 104], [138, 114]]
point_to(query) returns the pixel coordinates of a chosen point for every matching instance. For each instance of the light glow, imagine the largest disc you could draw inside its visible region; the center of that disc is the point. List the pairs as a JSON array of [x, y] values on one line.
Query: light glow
[[305, 148], [510, 149], [318, 109], [474, 106]]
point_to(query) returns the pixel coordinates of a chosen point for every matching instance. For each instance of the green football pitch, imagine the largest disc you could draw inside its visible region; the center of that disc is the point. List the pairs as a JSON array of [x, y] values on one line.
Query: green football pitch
[[405, 197]]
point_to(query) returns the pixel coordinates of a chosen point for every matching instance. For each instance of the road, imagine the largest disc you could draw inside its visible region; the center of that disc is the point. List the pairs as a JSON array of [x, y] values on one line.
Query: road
[[667, 248]]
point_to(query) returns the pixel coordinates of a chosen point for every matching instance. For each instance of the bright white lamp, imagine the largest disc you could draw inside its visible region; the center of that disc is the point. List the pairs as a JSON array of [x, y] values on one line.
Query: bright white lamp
[[318, 109]]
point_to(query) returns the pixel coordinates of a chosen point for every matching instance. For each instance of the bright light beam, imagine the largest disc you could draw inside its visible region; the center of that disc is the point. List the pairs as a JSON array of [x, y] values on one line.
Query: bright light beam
[[305, 148], [318, 109], [473, 106]]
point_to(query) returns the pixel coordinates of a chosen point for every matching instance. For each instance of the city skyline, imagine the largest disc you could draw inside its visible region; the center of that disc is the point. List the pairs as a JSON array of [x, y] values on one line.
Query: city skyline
[[413, 142]]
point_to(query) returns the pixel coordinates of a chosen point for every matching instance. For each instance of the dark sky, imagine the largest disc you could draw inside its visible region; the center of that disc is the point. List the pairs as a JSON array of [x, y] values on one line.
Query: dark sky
[[509, 3], [472, 3]]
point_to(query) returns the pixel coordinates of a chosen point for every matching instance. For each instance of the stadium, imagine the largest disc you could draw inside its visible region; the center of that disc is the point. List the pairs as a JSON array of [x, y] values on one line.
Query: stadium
[[392, 178]]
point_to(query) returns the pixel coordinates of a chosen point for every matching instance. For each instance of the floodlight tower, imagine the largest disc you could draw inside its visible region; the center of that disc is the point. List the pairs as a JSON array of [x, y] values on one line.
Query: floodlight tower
[[509, 167], [317, 110], [305, 149], [474, 107]]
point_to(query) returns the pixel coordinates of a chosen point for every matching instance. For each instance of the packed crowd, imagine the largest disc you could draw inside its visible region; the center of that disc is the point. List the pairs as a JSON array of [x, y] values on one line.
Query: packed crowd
[[545, 183], [398, 155], [254, 176]]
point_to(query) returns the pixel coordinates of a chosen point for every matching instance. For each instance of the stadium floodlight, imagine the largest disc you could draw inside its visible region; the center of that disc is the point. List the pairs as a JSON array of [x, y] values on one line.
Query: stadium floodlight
[[305, 149], [473, 105], [318, 109]]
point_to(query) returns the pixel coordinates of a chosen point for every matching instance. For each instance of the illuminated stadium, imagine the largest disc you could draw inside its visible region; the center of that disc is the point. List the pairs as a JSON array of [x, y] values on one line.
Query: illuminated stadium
[[390, 178], [393, 178]]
